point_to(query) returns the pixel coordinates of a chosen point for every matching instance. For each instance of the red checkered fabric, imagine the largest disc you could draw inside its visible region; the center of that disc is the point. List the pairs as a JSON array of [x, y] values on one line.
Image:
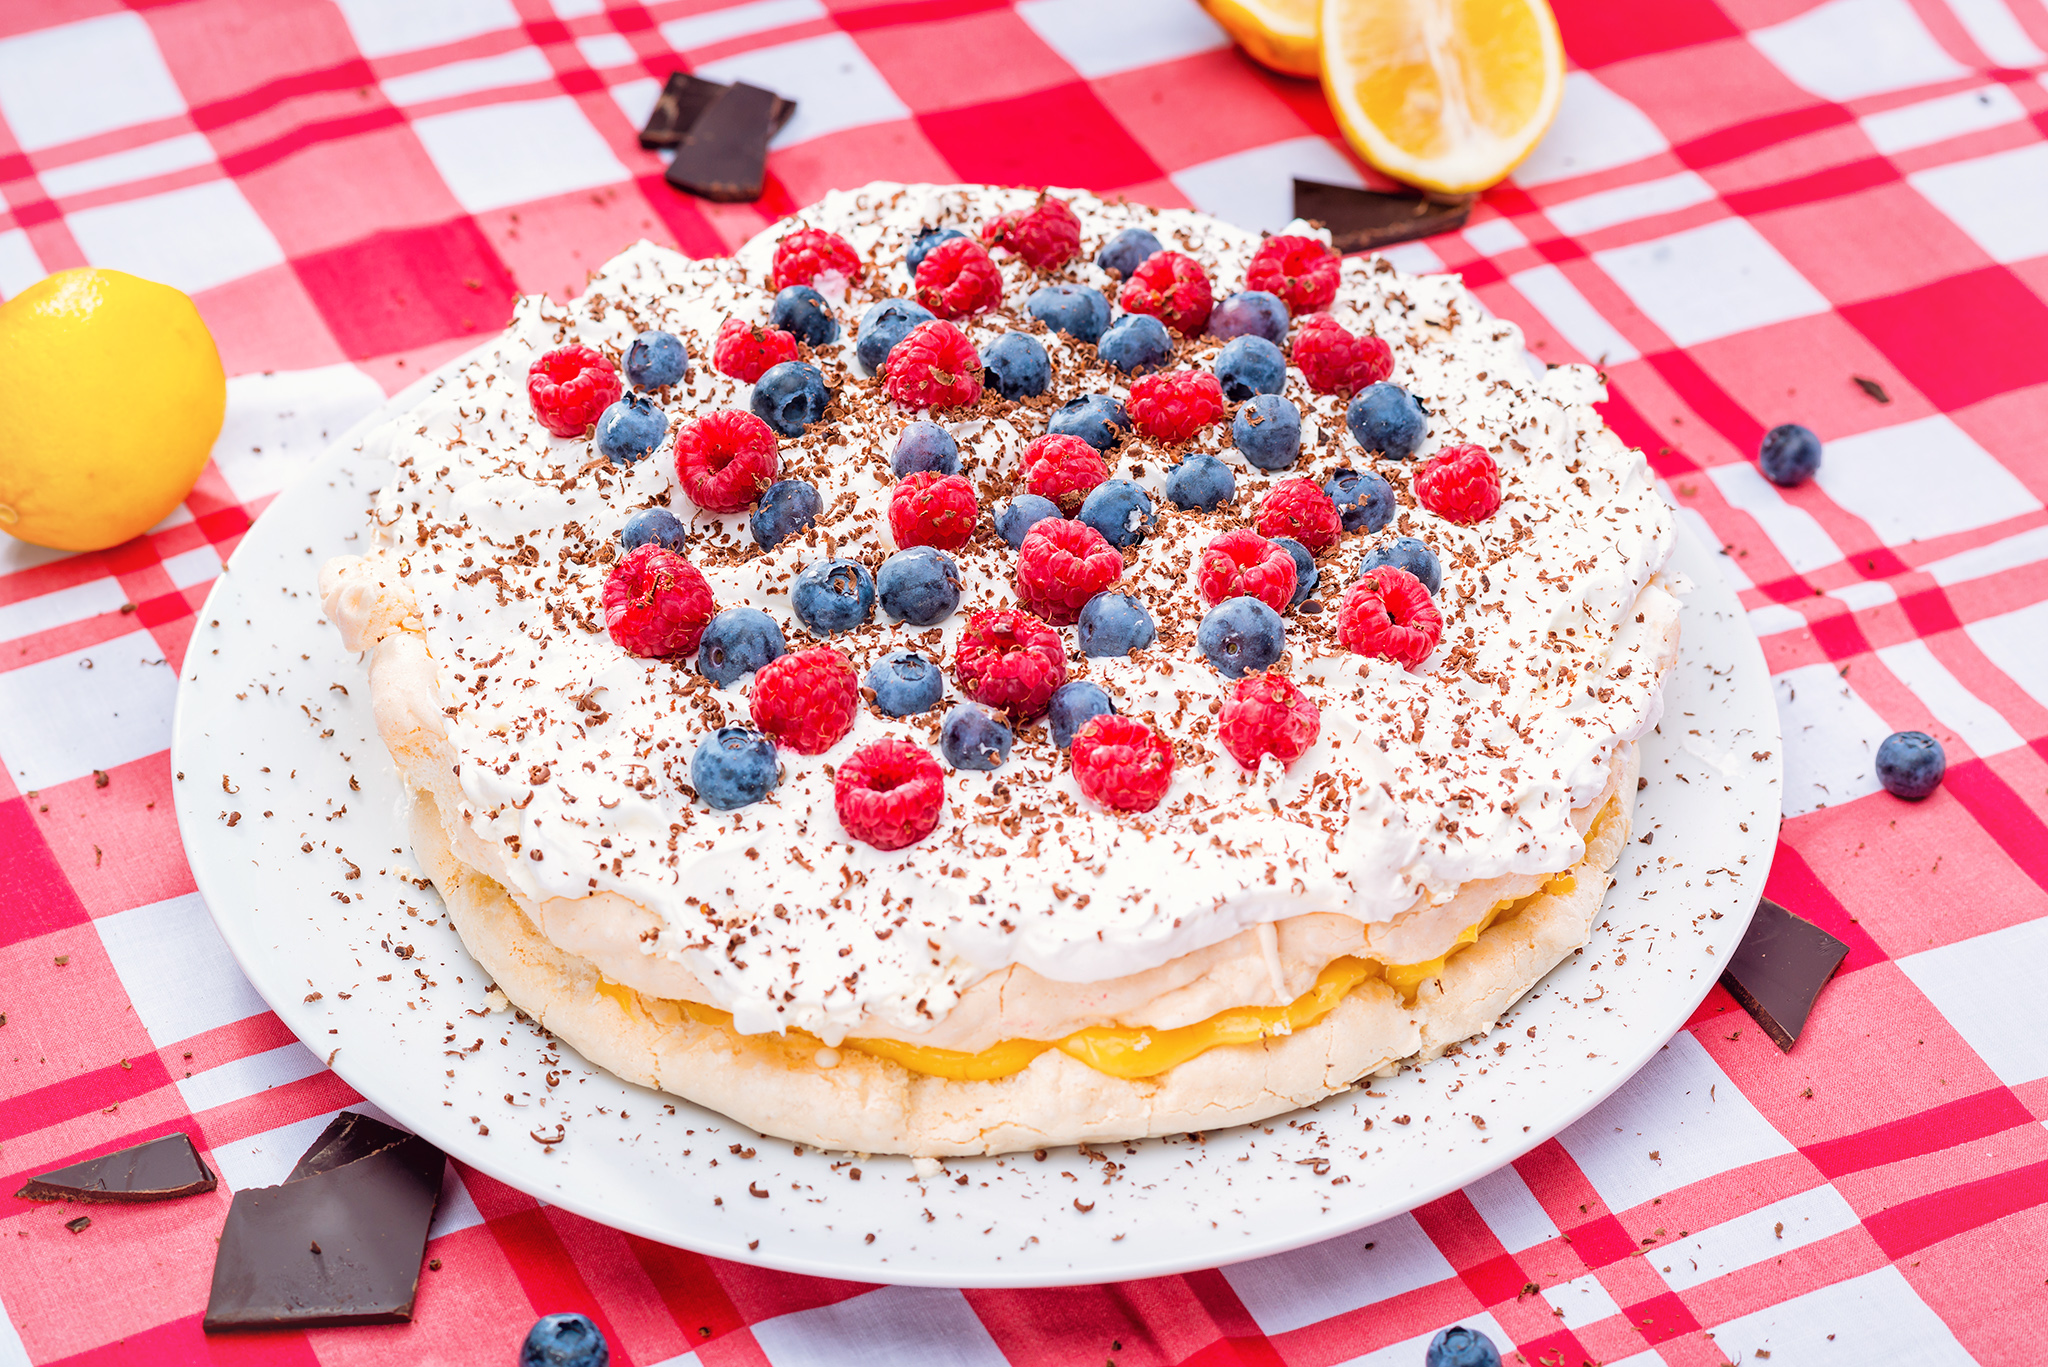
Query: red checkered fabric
[[1744, 207]]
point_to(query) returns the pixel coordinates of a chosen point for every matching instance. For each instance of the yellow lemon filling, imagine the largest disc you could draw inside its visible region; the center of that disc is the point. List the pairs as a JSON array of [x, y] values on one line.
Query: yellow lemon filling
[[1128, 1051], [1140, 1051]]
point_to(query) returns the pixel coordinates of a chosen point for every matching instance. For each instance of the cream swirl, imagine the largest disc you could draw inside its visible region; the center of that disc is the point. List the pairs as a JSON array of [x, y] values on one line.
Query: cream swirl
[[575, 755]]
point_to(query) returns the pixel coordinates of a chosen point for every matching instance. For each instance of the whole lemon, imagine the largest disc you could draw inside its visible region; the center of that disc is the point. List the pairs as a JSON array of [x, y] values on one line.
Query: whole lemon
[[111, 394]]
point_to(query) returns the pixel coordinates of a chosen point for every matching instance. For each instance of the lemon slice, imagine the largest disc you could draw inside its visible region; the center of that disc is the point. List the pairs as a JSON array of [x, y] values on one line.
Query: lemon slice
[[1446, 94], [1280, 34]]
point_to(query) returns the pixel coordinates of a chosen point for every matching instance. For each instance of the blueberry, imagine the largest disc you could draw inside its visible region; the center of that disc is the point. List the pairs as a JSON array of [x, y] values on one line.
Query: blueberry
[[733, 767], [926, 239], [1241, 634], [1114, 624], [919, 586], [1120, 510], [630, 429], [1071, 707], [658, 525], [1096, 419], [1016, 366], [925, 446], [738, 642], [1461, 1347], [1024, 512], [1200, 483], [905, 683], [972, 737], [833, 595], [1126, 251], [1136, 343], [1364, 499], [655, 359], [804, 313], [1250, 313], [1080, 311], [883, 326], [1267, 429], [788, 506], [1387, 420], [1790, 454], [790, 397], [1248, 366], [1407, 553], [1306, 574], [1910, 764]]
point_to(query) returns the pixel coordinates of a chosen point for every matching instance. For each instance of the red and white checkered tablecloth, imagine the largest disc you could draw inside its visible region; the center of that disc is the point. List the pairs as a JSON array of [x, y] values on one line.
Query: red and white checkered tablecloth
[[1743, 205]]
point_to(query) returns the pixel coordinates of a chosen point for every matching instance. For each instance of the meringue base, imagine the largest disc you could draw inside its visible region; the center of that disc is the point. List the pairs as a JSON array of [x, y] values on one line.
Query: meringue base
[[792, 1088]]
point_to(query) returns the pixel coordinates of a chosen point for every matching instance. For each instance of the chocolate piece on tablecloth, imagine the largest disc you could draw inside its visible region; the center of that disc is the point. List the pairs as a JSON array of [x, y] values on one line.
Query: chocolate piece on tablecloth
[[676, 110], [160, 1170], [1779, 969], [1360, 220], [725, 155], [340, 1246], [683, 101], [349, 1136]]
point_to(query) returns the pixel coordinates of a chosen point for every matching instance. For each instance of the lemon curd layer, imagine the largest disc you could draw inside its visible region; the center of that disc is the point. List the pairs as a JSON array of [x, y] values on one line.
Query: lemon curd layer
[[1133, 1052]]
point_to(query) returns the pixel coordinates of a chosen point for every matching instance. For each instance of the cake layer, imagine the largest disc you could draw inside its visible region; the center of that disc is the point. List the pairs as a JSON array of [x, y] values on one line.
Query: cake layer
[[801, 1090]]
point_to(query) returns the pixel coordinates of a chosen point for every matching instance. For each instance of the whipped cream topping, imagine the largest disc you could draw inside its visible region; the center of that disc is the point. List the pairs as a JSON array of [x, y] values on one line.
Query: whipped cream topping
[[575, 755]]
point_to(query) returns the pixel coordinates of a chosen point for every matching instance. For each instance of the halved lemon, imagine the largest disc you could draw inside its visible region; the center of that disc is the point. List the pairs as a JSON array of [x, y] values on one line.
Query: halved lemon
[[1449, 95], [1280, 34]]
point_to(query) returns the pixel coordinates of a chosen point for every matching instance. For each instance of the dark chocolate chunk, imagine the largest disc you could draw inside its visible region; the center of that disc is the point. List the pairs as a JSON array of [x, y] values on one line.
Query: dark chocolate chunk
[[79, 1225], [348, 1136], [725, 155], [1779, 968], [1872, 388], [677, 108], [341, 1246], [161, 1170], [683, 101], [1360, 220]]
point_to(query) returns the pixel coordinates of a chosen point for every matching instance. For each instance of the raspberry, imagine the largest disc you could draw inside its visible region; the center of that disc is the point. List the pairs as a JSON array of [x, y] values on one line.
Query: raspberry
[[1122, 763], [1008, 659], [931, 509], [1460, 484], [569, 387], [956, 278], [1061, 565], [1242, 563], [656, 603], [1300, 509], [889, 794], [934, 366], [1389, 613], [1172, 288], [808, 253], [1335, 362], [1267, 715], [725, 460], [745, 351], [1046, 234], [1173, 405], [1301, 270], [806, 700], [1064, 469]]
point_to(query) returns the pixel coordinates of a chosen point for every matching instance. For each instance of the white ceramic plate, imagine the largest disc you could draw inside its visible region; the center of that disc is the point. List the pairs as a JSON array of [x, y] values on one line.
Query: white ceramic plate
[[263, 728]]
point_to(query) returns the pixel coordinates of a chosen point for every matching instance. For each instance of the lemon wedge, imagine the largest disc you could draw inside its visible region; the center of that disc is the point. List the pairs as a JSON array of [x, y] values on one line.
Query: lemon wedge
[[1278, 34], [1449, 95]]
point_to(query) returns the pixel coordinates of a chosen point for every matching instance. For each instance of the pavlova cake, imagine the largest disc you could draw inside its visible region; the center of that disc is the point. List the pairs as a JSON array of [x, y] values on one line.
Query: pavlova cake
[[983, 669]]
